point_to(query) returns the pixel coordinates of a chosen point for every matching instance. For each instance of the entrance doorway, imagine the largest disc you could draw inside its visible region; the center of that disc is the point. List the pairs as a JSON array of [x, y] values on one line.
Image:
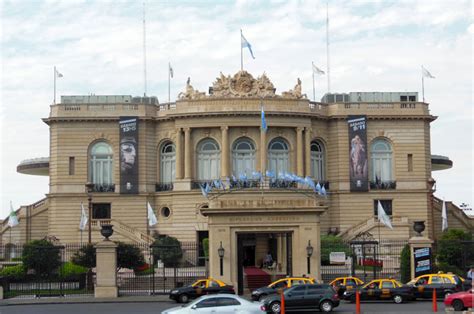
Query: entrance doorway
[[262, 257]]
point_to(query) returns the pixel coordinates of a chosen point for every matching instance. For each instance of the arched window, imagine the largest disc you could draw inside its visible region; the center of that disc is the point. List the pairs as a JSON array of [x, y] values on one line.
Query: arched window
[[278, 156], [318, 171], [167, 163], [243, 157], [208, 160], [100, 163], [381, 157]]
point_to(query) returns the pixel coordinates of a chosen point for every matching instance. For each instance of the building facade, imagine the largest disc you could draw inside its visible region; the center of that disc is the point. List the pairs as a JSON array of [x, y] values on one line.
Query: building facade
[[137, 151]]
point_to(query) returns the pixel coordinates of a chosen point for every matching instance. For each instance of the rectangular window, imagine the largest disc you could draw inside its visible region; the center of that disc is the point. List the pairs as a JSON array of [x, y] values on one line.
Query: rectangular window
[[72, 166], [386, 204], [412, 98], [410, 162], [403, 98], [101, 211]]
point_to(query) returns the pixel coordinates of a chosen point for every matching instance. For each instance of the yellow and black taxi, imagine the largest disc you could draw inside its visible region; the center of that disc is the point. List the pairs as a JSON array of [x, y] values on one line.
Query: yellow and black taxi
[[199, 288], [381, 289], [445, 284], [274, 287], [342, 284]]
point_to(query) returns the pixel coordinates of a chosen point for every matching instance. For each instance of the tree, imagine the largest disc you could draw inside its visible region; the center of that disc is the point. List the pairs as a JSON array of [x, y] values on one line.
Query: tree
[[85, 256], [332, 243], [451, 251], [168, 250], [129, 256], [42, 257], [405, 267]]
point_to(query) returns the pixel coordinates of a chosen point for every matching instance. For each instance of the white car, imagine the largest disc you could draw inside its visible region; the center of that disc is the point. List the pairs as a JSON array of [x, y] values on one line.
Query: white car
[[218, 303]]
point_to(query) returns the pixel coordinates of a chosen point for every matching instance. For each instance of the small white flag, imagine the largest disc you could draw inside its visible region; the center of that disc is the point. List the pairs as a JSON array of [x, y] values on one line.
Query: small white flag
[[57, 73], [383, 217], [12, 219], [317, 70], [444, 216], [170, 70], [426, 73], [151, 216], [82, 224]]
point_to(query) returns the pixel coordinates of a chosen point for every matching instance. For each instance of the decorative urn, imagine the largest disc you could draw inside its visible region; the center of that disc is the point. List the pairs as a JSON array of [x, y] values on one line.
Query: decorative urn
[[419, 227], [106, 231]]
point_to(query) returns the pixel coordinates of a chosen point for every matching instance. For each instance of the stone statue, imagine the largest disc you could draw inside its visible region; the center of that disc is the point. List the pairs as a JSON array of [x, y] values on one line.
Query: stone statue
[[190, 92], [295, 92]]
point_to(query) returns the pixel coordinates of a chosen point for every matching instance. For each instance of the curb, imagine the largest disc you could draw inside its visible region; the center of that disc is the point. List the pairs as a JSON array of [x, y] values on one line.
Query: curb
[[60, 300]]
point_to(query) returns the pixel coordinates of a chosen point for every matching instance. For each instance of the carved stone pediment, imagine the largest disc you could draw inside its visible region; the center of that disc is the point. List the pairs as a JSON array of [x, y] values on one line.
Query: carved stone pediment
[[242, 84]]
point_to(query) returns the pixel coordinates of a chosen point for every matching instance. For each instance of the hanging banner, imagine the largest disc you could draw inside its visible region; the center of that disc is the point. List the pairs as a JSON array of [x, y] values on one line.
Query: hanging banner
[[358, 165], [422, 258], [128, 155]]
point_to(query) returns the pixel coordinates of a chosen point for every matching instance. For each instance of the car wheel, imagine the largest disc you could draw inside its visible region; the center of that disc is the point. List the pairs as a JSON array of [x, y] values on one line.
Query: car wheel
[[260, 298], [275, 307], [326, 306], [183, 298], [398, 299], [458, 305]]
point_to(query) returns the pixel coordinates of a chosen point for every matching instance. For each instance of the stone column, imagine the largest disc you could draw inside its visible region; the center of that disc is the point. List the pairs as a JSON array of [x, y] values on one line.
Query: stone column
[[179, 154], [187, 153], [106, 270], [263, 150], [299, 152], [225, 152], [307, 151], [418, 242]]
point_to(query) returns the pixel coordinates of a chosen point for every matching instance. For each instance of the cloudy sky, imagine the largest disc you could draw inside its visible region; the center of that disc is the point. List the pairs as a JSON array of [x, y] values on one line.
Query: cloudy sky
[[97, 45]]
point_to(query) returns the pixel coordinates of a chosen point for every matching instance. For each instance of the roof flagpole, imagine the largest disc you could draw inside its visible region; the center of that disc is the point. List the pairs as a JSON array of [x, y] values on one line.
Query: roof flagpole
[[144, 51], [327, 47]]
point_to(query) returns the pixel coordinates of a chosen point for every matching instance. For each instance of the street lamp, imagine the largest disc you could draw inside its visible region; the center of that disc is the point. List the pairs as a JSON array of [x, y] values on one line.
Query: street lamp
[[221, 252], [89, 190], [309, 252]]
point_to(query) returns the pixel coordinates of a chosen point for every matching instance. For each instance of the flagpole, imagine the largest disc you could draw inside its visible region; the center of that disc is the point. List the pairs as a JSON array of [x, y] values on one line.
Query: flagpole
[[422, 84], [144, 50], [54, 75], [312, 70], [169, 80], [327, 46], [241, 53]]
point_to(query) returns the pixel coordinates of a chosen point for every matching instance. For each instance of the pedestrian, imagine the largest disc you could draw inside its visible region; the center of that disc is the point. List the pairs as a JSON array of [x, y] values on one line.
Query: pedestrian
[[470, 273]]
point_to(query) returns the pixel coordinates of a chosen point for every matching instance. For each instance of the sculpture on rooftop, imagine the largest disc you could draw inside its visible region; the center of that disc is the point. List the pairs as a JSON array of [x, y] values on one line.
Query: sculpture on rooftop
[[190, 92], [295, 92]]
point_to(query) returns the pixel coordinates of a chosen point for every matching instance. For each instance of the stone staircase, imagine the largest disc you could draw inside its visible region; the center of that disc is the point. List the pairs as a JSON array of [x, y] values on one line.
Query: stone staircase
[[126, 231]]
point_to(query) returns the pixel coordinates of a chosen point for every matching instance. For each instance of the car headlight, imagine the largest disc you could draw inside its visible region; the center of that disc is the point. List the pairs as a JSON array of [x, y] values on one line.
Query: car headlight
[[174, 291], [346, 293]]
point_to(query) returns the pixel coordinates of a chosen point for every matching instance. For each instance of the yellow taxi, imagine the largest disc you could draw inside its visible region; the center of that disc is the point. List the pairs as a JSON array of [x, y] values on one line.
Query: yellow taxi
[[200, 287], [342, 284], [444, 284], [381, 289], [283, 283]]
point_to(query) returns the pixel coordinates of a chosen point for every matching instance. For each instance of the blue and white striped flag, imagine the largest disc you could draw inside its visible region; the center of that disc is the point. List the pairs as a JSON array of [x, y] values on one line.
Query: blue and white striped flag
[[245, 44], [264, 122]]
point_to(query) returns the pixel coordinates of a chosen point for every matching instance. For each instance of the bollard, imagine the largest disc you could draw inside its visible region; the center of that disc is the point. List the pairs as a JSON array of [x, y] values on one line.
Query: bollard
[[282, 305], [357, 302], [435, 303]]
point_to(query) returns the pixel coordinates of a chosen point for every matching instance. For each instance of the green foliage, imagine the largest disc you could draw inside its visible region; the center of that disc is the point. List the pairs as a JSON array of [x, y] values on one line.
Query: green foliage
[[85, 257], [41, 256], [451, 251], [205, 247], [70, 269], [15, 272], [332, 243], [405, 267], [129, 256], [168, 250]]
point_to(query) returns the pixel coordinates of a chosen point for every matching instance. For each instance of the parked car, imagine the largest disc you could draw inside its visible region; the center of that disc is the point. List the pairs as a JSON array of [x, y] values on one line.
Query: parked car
[[199, 288], [460, 300], [381, 289], [445, 284], [342, 284], [314, 297], [218, 303], [260, 293]]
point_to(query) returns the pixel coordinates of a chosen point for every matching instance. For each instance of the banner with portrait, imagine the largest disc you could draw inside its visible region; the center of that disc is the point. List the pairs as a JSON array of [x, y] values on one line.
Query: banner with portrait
[[358, 164], [128, 155]]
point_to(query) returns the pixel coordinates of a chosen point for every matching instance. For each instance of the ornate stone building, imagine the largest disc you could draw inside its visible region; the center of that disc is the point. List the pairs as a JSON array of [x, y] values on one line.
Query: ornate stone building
[[174, 151]]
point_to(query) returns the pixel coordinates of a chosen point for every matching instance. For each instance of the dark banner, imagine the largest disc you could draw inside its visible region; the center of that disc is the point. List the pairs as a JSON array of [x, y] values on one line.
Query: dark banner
[[358, 165], [128, 155], [422, 258]]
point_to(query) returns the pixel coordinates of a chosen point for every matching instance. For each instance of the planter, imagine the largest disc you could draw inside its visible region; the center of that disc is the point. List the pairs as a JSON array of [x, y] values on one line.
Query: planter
[[419, 227], [107, 231]]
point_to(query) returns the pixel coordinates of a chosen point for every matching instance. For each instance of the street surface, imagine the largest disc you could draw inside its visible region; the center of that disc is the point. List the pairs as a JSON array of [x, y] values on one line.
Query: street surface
[[157, 307]]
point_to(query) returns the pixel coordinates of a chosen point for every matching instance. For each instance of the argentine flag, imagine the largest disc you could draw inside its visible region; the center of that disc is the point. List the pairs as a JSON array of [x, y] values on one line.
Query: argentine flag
[[245, 43], [264, 122]]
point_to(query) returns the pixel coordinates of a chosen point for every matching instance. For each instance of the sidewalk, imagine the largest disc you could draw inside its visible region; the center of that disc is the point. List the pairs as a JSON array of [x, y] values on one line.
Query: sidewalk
[[69, 300]]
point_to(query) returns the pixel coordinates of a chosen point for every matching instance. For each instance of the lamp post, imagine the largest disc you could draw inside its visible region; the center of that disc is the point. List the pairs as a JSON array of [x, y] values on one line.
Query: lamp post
[[89, 189], [309, 253], [221, 252]]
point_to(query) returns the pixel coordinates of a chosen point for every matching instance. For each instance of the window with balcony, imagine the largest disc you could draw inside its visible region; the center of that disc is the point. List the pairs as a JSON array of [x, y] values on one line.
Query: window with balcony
[[318, 171], [208, 160], [167, 163], [278, 156], [381, 165], [243, 157], [101, 167]]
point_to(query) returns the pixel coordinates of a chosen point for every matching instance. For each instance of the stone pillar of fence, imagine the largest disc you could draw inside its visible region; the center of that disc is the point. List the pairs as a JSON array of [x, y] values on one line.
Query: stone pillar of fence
[[106, 270], [417, 242]]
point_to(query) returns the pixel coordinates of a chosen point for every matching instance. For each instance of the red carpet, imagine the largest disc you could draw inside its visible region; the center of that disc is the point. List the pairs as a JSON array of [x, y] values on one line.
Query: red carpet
[[256, 278], [254, 271]]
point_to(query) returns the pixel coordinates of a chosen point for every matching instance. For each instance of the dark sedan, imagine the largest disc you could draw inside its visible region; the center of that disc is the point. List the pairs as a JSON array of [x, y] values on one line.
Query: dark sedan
[[304, 297], [381, 289], [199, 288]]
